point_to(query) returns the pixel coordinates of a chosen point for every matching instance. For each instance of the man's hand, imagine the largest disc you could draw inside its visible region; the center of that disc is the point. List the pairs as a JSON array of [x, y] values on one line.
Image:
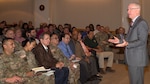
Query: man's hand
[[115, 40], [125, 43], [30, 74], [59, 65], [13, 79], [72, 57]]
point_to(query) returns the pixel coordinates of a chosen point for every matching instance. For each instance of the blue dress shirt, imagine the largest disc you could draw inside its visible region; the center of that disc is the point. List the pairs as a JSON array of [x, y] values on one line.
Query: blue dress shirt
[[65, 49]]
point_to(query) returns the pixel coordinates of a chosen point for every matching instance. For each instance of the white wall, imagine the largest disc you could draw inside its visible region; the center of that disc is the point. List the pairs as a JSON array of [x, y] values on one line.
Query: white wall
[[146, 10], [15, 10], [41, 16], [81, 13], [77, 12]]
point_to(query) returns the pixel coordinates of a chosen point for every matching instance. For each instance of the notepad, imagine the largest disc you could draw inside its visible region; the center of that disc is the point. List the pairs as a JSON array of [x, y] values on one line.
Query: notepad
[[40, 69]]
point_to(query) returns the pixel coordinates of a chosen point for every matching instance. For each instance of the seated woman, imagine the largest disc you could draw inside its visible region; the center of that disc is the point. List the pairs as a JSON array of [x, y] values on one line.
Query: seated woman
[[88, 69], [26, 53], [18, 35]]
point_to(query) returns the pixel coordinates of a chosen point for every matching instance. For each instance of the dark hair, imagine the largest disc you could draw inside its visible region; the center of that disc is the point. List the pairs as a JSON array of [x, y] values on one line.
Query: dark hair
[[24, 43], [42, 35], [90, 31], [53, 34], [63, 35], [91, 26], [5, 40], [29, 30], [98, 25]]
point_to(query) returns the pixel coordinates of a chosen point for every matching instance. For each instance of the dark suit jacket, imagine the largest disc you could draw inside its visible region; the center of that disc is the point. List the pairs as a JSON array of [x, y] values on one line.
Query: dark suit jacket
[[136, 51], [43, 57]]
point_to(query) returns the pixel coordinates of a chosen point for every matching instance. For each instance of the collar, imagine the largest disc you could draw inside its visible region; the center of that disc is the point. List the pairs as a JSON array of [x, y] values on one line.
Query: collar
[[135, 19], [45, 47]]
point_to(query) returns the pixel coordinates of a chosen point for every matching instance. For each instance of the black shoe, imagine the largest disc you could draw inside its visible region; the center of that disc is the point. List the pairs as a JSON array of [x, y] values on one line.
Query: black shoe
[[94, 77], [109, 69], [97, 76], [102, 71]]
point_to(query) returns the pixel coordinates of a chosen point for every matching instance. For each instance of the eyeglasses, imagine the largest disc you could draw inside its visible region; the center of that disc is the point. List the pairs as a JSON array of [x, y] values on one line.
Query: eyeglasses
[[132, 8]]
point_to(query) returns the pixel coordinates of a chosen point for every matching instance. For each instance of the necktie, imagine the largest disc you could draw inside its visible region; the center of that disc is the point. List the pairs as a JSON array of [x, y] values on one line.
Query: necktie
[[131, 23], [68, 50]]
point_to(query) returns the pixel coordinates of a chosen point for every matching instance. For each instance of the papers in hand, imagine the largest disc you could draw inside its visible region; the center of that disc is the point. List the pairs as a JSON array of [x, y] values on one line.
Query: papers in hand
[[40, 69], [47, 72], [76, 60]]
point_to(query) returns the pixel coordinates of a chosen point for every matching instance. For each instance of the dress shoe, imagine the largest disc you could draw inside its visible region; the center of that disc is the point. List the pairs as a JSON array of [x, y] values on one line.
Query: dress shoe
[[102, 71], [99, 75], [94, 77], [109, 69]]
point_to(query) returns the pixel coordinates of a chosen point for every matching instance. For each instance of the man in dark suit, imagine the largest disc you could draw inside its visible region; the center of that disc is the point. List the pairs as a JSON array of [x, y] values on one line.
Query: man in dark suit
[[45, 58], [135, 45]]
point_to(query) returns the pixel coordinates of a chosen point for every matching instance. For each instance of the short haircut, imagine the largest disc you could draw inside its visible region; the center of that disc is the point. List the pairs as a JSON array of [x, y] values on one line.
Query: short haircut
[[5, 40], [63, 35], [42, 35], [137, 4], [9, 29], [29, 30], [53, 34], [98, 25], [24, 43], [90, 31]]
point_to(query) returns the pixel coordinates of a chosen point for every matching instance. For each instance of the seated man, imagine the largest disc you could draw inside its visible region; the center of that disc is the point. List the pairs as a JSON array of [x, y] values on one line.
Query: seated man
[[92, 44], [58, 54], [9, 33], [14, 69], [65, 48], [45, 58], [6, 59]]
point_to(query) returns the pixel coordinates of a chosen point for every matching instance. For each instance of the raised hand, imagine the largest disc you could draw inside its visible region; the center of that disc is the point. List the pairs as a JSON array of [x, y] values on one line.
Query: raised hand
[[115, 40], [125, 43]]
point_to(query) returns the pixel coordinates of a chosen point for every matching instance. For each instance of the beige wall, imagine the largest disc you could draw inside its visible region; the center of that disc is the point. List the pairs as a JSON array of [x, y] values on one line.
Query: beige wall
[[15, 10], [83, 12], [146, 10], [77, 12]]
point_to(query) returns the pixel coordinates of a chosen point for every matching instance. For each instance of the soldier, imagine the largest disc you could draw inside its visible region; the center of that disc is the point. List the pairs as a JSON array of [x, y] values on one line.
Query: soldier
[[26, 53], [14, 68], [11, 65], [9, 33], [102, 39], [45, 58], [74, 72]]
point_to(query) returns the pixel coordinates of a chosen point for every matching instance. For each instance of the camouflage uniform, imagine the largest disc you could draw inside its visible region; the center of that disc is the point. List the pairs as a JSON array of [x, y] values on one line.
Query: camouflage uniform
[[74, 73], [102, 39], [17, 46], [41, 79], [15, 65]]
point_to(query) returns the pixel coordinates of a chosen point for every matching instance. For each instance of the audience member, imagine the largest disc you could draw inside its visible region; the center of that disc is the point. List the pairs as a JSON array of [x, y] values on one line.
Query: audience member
[[92, 45], [102, 39], [32, 33], [97, 29], [9, 33], [65, 48], [18, 35], [88, 68], [74, 72], [45, 58]]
